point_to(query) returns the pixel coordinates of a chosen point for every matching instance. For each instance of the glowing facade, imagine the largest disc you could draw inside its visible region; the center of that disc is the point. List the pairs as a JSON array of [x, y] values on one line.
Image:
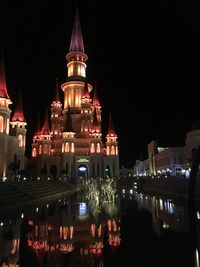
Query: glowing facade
[[73, 145], [12, 131]]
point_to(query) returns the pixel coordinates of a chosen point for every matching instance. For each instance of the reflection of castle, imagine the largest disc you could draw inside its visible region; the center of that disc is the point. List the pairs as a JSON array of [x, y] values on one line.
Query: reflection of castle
[[59, 229], [73, 146]]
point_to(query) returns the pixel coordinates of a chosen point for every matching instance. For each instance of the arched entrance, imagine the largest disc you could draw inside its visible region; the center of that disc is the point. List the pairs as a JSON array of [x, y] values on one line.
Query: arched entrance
[[82, 171]]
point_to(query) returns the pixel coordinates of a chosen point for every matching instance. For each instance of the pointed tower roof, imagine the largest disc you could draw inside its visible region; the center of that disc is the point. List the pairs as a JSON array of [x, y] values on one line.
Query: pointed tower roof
[[68, 124], [95, 97], [57, 97], [19, 113], [86, 92], [3, 88], [111, 129], [95, 124], [38, 127], [76, 43], [45, 128]]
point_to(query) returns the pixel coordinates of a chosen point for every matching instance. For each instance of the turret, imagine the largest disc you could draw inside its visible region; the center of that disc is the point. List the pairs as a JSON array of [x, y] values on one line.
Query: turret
[[74, 87], [4, 118], [45, 137], [18, 129], [56, 112], [36, 139], [96, 103], [95, 146], [112, 160]]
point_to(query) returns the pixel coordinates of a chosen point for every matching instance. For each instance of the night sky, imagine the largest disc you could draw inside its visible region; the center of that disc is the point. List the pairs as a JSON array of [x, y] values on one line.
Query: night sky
[[144, 57]]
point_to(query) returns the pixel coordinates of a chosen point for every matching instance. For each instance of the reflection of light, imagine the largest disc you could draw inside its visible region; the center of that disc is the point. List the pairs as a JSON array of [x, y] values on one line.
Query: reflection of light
[[197, 258], [198, 215], [82, 169], [22, 215], [82, 208]]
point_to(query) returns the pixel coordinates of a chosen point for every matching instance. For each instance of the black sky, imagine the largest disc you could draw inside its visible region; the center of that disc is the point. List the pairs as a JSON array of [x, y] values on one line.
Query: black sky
[[144, 56]]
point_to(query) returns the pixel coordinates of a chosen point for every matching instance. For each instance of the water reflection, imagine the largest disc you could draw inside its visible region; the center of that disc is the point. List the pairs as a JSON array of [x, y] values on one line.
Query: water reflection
[[82, 231]]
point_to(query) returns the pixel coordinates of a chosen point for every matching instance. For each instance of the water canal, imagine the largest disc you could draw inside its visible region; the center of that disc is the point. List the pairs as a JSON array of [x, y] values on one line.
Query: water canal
[[134, 229]]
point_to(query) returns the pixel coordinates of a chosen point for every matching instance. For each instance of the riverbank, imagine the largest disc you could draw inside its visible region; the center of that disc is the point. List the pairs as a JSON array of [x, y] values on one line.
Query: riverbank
[[13, 196]]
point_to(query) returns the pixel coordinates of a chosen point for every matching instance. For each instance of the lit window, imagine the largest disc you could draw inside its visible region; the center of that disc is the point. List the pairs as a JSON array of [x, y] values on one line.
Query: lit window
[[7, 126], [112, 150], [108, 150], [67, 147], [98, 148], [45, 149], [34, 152], [92, 150], [40, 149], [20, 140], [1, 124]]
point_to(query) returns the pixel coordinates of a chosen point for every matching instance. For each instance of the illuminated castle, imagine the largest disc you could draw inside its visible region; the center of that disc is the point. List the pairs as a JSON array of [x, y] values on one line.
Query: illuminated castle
[[12, 132], [73, 145]]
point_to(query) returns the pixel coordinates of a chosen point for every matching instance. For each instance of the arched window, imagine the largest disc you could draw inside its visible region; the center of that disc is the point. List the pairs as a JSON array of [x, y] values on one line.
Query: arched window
[[20, 140], [92, 150], [40, 149], [34, 152], [98, 148], [67, 147], [1, 124], [112, 150], [7, 126]]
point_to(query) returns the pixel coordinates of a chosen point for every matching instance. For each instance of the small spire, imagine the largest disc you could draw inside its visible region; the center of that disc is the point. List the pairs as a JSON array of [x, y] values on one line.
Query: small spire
[[45, 128], [76, 43], [95, 97], [38, 127], [68, 124], [110, 126], [19, 113], [86, 92], [95, 124], [57, 97], [3, 88]]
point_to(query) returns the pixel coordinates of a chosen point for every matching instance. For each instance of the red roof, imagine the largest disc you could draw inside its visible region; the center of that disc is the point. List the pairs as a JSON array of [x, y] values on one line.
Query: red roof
[[3, 88], [19, 114], [57, 97], [111, 130], [45, 128], [95, 124], [86, 92], [95, 97], [76, 43]]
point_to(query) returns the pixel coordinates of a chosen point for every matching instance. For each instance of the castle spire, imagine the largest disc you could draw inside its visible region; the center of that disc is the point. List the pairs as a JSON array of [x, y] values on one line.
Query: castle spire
[[45, 128], [56, 97], [76, 43], [19, 113], [111, 130], [95, 97], [3, 87], [38, 127], [68, 125], [95, 123], [86, 92]]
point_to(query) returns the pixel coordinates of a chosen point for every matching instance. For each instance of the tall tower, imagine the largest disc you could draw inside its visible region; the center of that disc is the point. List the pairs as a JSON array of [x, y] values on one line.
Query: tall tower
[[18, 129], [112, 160], [74, 87], [4, 118], [56, 112]]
